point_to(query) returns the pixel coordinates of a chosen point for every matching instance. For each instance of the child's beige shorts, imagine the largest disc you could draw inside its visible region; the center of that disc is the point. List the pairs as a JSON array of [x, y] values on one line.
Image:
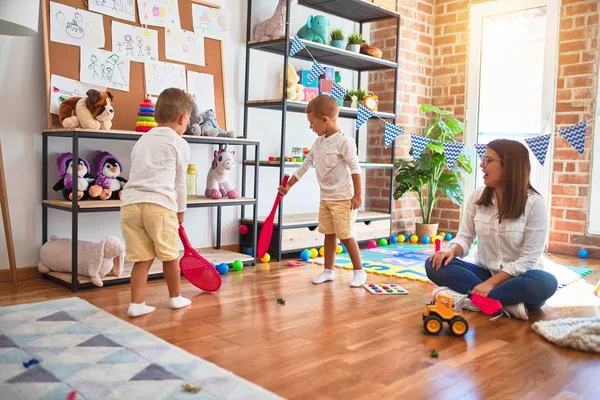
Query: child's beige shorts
[[150, 231], [336, 217]]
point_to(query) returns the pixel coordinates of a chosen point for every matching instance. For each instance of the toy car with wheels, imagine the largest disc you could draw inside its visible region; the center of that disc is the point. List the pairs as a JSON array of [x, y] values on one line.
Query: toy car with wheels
[[435, 314]]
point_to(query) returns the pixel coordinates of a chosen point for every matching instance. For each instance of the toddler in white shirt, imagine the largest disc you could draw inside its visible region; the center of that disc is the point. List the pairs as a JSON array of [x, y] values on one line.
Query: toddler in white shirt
[[338, 172]]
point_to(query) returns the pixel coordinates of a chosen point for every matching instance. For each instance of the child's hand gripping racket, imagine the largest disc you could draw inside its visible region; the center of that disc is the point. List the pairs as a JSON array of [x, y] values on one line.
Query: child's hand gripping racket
[[266, 232], [196, 269]]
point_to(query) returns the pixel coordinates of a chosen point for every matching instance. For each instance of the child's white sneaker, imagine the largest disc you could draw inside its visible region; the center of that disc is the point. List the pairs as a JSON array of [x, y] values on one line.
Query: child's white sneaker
[[518, 311], [179, 302], [325, 276], [360, 278], [139, 309]]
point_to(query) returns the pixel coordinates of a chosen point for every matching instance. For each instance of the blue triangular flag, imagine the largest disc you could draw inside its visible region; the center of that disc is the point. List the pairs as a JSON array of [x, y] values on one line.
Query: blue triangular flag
[[338, 92], [480, 149], [452, 150], [391, 132], [575, 135], [418, 145], [539, 146], [296, 46], [315, 72], [363, 115]]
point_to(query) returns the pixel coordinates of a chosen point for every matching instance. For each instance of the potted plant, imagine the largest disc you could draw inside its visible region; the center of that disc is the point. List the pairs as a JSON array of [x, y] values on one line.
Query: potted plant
[[354, 42], [337, 38], [348, 98], [429, 177]]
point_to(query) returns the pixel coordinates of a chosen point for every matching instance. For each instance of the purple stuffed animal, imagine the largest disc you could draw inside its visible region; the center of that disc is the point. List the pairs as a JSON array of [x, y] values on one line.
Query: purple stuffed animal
[[109, 184], [65, 170]]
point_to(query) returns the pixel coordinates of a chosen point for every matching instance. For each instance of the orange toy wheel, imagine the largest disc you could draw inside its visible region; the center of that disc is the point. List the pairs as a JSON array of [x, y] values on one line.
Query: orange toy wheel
[[432, 324], [459, 326]]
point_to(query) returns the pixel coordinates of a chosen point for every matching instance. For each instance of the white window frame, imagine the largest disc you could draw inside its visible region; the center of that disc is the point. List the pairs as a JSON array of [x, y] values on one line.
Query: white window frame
[[594, 213]]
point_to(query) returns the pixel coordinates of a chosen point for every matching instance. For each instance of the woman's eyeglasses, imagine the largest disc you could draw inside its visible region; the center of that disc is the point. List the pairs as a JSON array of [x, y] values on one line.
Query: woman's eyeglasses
[[487, 160]]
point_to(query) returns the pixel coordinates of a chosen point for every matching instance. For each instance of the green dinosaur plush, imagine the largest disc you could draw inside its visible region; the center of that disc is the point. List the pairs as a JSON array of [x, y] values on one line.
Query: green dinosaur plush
[[315, 29]]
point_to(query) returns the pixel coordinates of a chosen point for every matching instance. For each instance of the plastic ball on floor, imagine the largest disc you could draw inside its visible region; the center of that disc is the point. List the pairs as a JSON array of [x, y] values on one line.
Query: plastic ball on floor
[[344, 249], [583, 253], [305, 255], [243, 229], [448, 236], [425, 240], [249, 251], [266, 258], [338, 249], [406, 237], [322, 251], [394, 239], [442, 234], [238, 265], [401, 239], [313, 253], [223, 268], [383, 242], [414, 239], [372, 244]]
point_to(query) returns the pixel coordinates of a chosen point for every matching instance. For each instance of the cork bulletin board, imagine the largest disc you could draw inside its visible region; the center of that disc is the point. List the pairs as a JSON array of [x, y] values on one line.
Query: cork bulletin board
[[64, 60]]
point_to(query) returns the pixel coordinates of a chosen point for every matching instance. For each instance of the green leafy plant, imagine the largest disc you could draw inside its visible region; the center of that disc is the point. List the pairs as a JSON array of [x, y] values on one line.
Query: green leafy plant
[[355, 38], [337, 34], [431, 170], [359, 93]]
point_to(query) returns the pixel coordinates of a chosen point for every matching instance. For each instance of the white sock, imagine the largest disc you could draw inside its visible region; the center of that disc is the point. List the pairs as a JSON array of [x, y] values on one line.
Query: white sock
[[139, 309], [326, 275], [360, 278], [179, 302]]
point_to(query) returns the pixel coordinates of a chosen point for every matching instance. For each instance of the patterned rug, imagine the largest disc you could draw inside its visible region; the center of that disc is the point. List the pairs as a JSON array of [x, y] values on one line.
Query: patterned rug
[[83, 348], [407, 261]]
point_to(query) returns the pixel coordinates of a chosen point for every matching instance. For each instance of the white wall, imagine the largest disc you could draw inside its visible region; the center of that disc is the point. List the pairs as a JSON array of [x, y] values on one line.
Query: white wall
[[23, 117]]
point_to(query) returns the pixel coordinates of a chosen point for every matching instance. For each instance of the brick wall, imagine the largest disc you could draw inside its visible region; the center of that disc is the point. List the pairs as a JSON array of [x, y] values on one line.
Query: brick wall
[[441, 41]]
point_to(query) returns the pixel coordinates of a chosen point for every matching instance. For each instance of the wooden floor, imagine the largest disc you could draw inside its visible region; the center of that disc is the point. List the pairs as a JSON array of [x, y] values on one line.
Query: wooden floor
[[334, 342]]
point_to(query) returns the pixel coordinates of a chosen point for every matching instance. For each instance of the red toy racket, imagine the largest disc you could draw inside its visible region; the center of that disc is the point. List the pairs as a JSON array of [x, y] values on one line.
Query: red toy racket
[[488, 306], [266, 232], [196, 269]]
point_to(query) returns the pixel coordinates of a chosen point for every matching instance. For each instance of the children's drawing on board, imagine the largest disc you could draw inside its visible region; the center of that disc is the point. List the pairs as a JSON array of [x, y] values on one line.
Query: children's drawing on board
[[211, 22], [104, 68], [74, 26], [62, 88], [122, 9], [135, 43]]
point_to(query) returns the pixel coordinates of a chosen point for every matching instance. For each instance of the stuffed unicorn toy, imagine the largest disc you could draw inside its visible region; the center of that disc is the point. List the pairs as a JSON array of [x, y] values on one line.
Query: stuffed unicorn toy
[[217, 185]]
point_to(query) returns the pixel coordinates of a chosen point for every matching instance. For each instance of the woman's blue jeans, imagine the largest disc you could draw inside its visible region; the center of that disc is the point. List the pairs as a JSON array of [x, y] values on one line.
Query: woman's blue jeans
[[533, 287]]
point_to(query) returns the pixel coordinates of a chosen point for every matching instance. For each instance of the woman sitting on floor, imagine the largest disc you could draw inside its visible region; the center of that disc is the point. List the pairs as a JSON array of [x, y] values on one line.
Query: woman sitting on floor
[[509, 218]]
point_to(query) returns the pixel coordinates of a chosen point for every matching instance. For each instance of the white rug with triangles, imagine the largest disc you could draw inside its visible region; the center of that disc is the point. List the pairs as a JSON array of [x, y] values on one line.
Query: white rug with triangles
[[84, 349]]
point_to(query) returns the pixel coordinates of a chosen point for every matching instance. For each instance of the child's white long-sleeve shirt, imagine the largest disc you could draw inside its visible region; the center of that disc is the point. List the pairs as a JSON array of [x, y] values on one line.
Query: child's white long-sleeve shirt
[[335, 160], [158, 170]]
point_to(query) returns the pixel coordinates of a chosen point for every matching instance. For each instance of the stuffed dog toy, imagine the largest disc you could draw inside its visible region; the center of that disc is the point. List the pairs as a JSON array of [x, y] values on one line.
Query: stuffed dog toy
[[95, 111]]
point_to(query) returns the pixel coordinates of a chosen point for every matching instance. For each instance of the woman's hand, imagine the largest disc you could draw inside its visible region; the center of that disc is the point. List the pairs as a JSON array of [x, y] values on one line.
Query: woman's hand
[[442, 258], [484, 288]]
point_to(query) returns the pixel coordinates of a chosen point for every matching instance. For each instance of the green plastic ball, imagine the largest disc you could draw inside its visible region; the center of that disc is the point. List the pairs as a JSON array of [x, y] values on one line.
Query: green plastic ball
[[238, 265]]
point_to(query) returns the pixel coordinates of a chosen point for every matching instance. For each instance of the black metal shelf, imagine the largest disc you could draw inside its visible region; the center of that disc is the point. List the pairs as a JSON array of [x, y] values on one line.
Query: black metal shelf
[[361, 11], [277, 164], [300, 107], [327, 55]]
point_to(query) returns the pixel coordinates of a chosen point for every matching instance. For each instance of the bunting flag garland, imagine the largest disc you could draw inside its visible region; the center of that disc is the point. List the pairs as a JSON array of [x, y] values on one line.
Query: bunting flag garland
[[296, 46], [363, 115], [575, 135], [315, 72], [480, 148], [452, 150], [418, 145], [391, 133], [539, 146], [338, 92]]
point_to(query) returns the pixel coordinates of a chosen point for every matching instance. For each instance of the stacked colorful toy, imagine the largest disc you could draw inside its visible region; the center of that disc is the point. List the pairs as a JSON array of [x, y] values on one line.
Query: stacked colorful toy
[[145, 120]]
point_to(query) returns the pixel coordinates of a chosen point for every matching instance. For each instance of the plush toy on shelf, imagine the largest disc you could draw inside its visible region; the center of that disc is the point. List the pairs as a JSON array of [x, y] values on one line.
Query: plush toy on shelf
[[108, 184], [94, 111], [95, 260], [145, 119], [65, 170], [210, 127], [274, 27], [315, 29], [294, 91], [217, 185], [370, 50], [196, 119]]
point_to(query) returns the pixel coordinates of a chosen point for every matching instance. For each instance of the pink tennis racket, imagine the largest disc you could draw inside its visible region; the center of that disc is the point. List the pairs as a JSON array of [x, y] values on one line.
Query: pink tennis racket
[[196, 268], [266, 232]]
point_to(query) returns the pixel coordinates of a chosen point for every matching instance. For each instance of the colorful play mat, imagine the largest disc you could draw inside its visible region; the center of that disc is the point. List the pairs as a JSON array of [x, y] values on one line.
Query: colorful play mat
[[407, 261]]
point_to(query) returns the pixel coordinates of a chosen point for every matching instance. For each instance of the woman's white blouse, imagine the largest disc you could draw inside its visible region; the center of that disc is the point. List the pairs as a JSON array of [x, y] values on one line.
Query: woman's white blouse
[[513, 246]]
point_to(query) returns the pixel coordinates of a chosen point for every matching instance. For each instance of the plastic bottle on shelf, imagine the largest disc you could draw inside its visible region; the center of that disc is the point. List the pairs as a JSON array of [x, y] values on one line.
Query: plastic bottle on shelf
[[192, 176]]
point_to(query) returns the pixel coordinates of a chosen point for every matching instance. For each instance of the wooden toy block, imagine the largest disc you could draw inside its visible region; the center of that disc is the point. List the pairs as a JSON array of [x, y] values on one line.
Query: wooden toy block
[[310, 93], [304, 80], [329, 73], [325, 86]]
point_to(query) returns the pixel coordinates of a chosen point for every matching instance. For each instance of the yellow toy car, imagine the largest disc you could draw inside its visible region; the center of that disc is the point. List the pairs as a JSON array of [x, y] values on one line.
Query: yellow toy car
[[441, 310]]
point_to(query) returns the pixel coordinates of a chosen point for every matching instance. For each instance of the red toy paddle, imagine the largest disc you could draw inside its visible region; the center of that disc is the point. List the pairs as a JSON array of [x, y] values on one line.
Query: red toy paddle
[[488, 306], [196, 269], [266, 232]]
